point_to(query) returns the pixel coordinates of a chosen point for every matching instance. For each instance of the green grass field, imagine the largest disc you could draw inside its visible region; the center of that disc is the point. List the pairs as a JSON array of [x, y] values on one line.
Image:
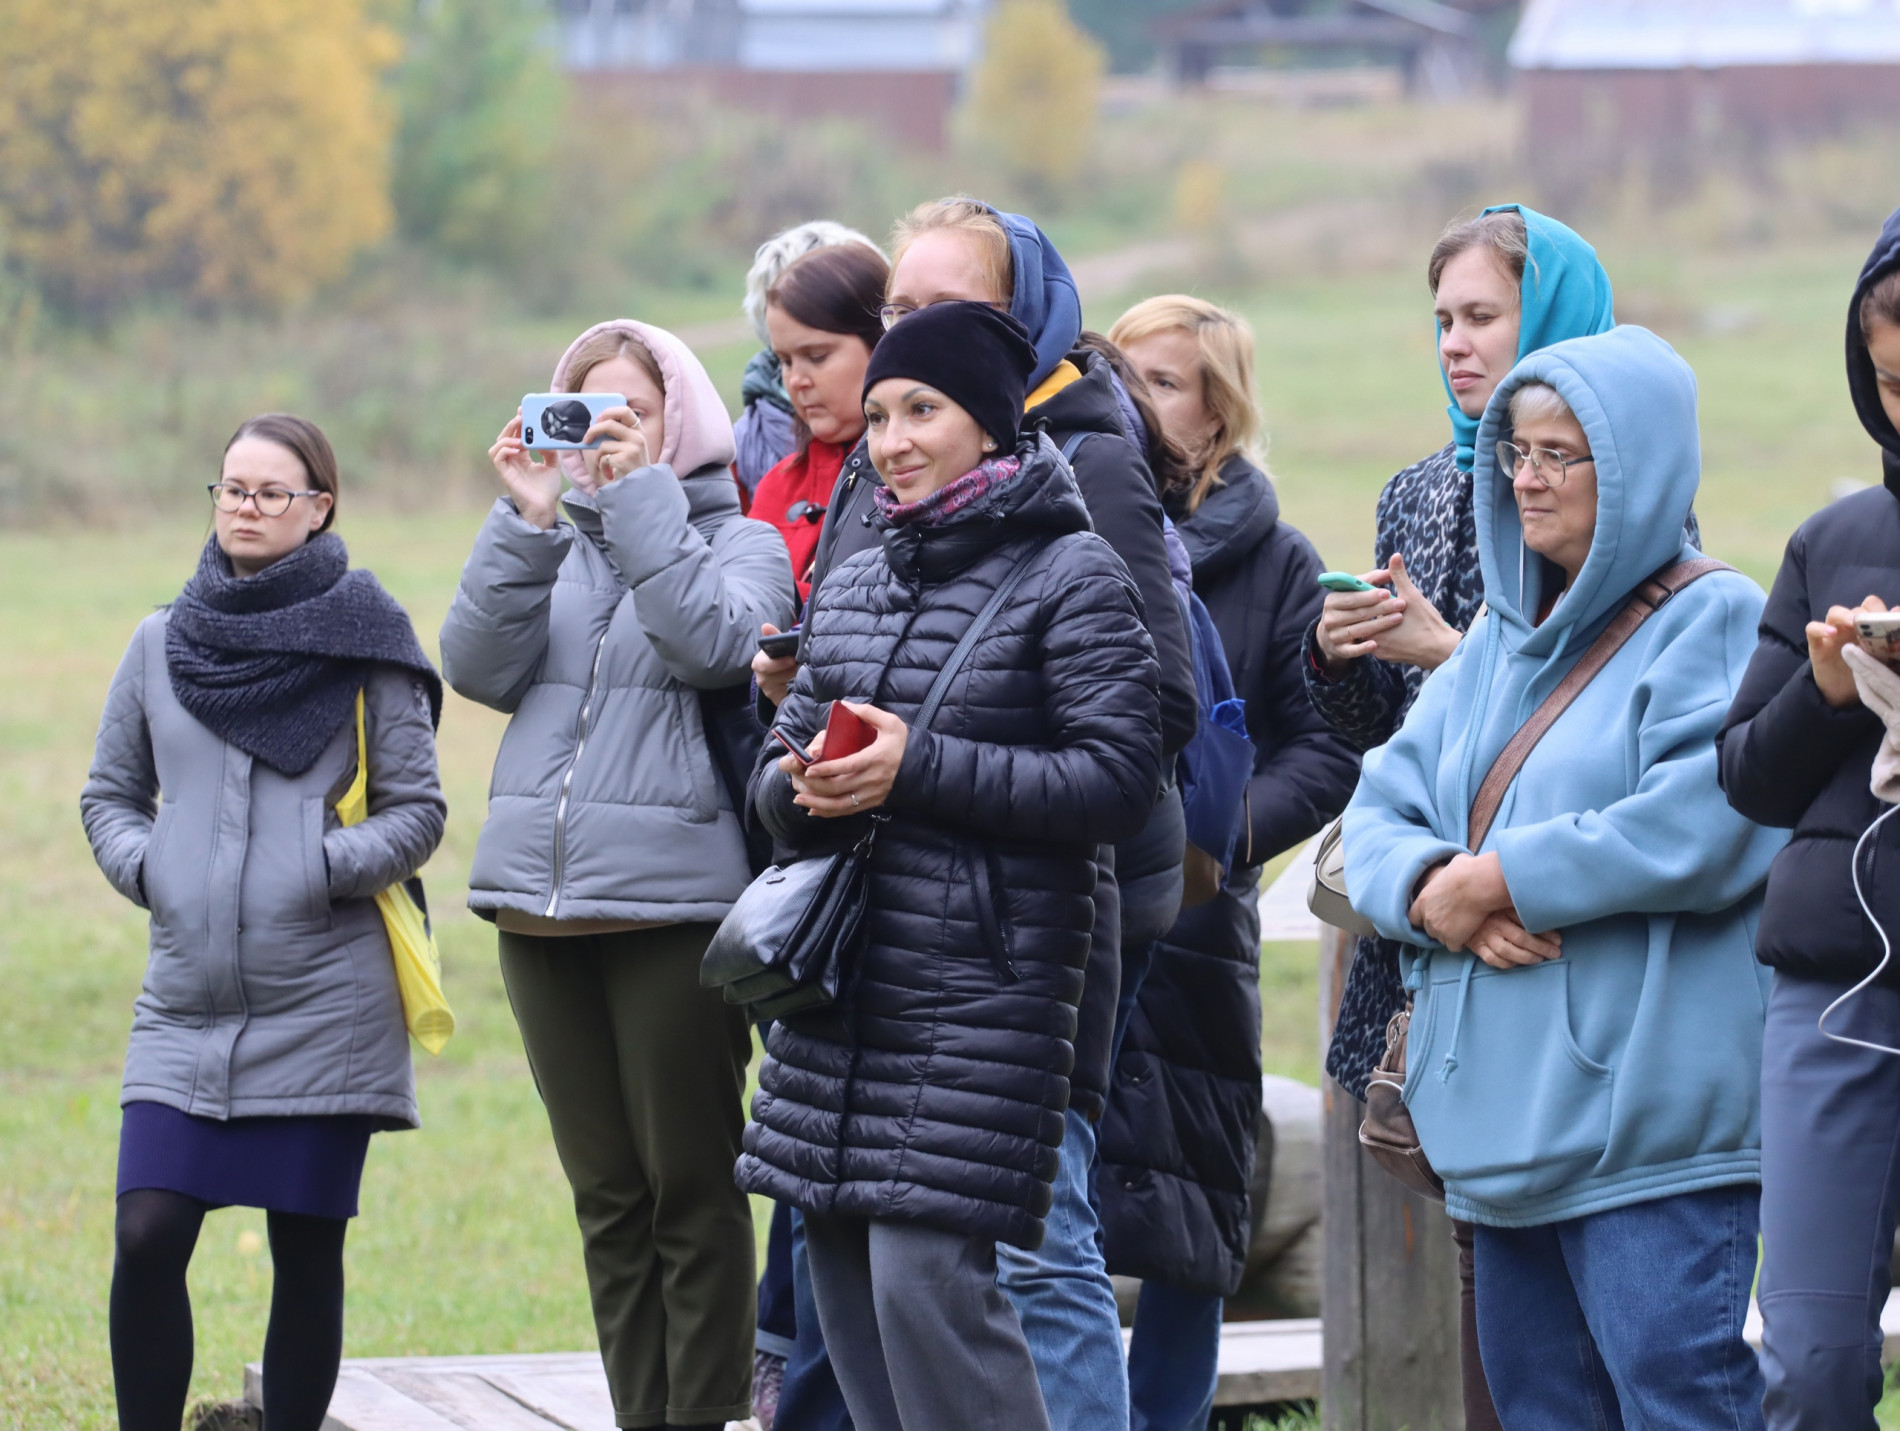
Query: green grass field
[[466, 1242]]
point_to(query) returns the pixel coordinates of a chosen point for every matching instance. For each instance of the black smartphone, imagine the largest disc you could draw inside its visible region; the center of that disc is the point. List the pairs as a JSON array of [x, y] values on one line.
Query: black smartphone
[[780, 644], [804, 760]]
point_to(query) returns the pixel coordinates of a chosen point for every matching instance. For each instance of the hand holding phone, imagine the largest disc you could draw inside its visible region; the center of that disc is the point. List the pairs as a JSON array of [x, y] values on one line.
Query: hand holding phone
[[1879, 633], [846, 732], [559, 422], [804, 760], [780, 645], [1344, 581]]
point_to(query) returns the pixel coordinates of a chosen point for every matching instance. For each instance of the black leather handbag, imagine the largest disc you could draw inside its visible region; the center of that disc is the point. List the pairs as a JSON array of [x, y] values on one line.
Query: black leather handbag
[[789, 940]]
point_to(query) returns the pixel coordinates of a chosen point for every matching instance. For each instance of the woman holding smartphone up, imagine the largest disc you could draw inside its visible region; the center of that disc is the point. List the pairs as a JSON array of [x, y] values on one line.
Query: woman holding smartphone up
[[268, 1041], [611, 851]]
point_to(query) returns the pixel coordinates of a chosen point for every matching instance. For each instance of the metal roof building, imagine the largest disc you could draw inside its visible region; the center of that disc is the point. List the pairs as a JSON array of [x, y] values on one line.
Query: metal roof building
[[897, 63], [1604, 79]]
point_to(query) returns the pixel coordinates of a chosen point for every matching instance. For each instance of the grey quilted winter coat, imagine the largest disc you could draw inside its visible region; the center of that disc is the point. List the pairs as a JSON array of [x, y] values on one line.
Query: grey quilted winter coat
[[597, 636], [270, 989]]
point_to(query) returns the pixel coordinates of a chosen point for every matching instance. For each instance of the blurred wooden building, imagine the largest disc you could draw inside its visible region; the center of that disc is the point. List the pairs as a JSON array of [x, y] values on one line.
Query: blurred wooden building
[[1605, 81], [1436, 45], [895, 64]]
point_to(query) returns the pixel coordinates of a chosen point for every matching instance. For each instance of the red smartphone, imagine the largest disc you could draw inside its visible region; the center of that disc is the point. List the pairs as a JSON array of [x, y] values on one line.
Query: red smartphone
[[804, 760], [846, 733]]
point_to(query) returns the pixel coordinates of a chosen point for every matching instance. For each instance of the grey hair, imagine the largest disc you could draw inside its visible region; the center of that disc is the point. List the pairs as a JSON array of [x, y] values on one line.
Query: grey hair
[[1537, 402], [777, 254]]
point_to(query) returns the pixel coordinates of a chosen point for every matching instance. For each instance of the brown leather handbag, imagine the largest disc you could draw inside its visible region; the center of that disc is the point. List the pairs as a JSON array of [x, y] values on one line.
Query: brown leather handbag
[[1387, 1131]]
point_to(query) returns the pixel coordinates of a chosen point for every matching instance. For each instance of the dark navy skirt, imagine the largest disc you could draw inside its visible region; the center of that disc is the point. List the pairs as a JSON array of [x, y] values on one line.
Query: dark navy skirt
[[311, 1165]]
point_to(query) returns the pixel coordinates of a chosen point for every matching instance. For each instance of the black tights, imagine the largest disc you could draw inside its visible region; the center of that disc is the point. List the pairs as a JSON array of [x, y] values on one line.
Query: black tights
[[151, 1313]]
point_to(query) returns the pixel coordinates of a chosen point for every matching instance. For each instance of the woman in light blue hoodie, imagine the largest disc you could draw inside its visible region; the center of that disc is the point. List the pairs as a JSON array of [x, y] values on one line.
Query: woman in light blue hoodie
[[1586, 1038]]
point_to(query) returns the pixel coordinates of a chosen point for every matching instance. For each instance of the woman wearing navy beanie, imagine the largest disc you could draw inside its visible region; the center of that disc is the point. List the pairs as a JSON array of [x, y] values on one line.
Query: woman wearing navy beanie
[[916, 1122]]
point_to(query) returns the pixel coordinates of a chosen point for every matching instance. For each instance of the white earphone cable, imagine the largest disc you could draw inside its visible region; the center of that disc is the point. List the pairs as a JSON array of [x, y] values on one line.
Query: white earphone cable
[[1886, 946]]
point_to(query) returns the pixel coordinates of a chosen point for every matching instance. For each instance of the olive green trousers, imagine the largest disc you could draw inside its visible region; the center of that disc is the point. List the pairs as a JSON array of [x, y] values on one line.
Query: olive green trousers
[[643, 1075]]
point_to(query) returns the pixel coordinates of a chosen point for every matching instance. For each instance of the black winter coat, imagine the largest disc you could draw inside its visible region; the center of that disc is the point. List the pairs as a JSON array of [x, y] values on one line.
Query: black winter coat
[[1119, 492], [1177, 1144], [1788, 758], [935, 1091]]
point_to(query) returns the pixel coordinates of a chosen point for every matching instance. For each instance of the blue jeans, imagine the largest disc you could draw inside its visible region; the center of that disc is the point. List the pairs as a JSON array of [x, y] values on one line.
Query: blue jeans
[[810, 1399], [1632, 1316], [1174, 1359], [1066, 1303], [1830, 1185]]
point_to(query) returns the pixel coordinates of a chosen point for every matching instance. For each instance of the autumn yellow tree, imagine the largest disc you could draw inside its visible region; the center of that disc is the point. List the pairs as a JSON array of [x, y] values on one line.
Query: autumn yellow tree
[[228, 150], [1032, 100]]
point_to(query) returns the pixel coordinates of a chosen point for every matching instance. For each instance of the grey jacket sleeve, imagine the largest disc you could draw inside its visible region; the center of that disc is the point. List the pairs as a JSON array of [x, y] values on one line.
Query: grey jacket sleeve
[[120, 800], [496, 631], [700, 603], [406, 809]]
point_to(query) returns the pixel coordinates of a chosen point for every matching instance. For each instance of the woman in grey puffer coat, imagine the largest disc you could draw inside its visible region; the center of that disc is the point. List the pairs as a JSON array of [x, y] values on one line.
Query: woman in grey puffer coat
[[267, 1043], [612, 850]]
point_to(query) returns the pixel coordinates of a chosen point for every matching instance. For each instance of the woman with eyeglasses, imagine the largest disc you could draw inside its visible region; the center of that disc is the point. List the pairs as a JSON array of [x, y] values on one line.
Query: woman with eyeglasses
[[822, 315], [268, 1039], [1584, 1053]]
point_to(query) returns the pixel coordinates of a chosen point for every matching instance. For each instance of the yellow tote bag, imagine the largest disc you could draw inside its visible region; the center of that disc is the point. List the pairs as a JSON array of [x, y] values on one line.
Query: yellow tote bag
[[418, 963]]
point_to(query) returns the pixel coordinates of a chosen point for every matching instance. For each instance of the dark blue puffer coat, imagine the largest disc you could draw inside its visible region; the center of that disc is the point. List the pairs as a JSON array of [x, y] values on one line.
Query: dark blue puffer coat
[[1177, 1144], [934, 1091]]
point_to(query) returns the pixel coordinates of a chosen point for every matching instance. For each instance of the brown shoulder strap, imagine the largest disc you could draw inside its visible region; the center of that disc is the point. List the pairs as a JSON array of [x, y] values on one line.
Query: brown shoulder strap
[[1648, 599]]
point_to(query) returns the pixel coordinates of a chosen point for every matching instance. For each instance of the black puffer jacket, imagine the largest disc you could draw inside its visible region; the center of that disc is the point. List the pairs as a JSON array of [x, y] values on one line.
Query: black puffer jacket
[[935, 1091], [1119, 492], [1177, 1144], [1791, 760]]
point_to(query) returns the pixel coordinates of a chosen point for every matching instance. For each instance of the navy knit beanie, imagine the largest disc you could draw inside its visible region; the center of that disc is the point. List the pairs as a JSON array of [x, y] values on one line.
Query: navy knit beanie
[[975, 355]]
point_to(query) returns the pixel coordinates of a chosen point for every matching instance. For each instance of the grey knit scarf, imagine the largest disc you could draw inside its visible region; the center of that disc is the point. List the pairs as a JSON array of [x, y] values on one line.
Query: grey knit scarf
[[272, 662]]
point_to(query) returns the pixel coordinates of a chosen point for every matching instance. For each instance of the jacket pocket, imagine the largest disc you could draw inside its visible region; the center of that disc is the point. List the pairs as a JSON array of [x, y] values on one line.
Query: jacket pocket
[[703, 795], [1506, 1104], [316, 865]]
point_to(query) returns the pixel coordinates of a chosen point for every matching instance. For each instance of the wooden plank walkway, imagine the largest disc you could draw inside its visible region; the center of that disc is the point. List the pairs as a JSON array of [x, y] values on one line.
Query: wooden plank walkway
[[1259, 1362]]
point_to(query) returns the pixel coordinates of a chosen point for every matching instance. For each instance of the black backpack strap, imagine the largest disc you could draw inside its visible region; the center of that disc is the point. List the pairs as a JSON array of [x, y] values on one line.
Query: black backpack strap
[[940, 687]]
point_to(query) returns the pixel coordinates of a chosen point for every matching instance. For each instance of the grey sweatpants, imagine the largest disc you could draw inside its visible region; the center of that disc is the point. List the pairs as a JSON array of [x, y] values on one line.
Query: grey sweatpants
[[920, 1335], [643, 1075], [1830, 1189]]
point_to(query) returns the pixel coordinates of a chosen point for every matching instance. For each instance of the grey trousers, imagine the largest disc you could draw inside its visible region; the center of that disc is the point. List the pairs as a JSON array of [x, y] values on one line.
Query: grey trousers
[[1830, 1192], [920, 1335]]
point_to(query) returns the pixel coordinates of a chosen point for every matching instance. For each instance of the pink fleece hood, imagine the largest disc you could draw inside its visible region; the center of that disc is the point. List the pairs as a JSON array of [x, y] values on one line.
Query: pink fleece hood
[[698, 427]]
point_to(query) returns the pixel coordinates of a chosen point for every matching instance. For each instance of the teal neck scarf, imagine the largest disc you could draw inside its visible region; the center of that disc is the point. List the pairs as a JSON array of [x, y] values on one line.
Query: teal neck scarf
[[1565, 294]]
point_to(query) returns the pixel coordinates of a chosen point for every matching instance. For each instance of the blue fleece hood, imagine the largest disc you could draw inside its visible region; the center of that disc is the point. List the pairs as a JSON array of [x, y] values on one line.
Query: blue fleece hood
[[1045, 300], [1565, 294], [1636, 400]]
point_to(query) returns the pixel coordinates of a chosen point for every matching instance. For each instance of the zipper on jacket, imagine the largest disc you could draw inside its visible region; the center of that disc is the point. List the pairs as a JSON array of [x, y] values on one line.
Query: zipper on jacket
[[567, 779]]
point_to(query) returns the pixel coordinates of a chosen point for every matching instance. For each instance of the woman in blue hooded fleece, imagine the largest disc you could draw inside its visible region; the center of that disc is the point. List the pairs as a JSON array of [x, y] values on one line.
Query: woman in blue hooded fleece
[[1586, 1037]]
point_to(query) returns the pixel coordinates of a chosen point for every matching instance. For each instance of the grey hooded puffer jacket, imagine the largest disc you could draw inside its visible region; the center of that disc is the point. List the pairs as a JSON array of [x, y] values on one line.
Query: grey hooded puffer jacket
[[270, 989], [597, 637]]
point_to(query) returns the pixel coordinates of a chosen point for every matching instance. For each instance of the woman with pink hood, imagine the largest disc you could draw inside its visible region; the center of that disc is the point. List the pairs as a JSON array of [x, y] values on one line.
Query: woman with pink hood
[[612, 851]]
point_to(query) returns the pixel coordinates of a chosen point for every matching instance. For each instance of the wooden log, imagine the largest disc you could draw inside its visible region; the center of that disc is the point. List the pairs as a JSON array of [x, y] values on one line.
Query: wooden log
[[1390, 1285]]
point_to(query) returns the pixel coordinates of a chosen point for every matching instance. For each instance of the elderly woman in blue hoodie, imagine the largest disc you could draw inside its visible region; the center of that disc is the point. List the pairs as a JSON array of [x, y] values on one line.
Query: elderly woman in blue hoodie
[[1586, 1037]]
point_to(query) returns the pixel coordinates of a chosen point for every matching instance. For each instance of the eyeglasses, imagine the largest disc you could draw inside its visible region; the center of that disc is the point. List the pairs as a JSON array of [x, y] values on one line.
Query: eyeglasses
[[1550, 465], [805, 512], [271, 502], [890, 313]]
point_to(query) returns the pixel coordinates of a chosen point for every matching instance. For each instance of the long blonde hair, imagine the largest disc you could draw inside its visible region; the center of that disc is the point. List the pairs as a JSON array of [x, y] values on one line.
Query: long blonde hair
[[1225, 343]]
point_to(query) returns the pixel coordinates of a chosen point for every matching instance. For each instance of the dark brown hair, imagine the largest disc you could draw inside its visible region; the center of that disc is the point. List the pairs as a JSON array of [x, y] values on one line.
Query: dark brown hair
[[1169, 465], [1881, 303], [1503, 233], [305, 441], [836, 289]]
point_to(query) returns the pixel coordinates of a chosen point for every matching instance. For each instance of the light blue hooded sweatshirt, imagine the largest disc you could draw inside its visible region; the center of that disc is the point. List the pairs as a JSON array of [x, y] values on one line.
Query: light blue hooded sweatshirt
[[1627, 1069]]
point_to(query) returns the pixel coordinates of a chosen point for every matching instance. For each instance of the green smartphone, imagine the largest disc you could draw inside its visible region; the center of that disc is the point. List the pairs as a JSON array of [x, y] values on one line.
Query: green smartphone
[[1344, 581]]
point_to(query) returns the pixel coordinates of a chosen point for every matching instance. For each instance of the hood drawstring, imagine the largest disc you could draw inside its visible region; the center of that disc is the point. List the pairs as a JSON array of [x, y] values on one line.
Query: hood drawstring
[[1458, 1020]]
